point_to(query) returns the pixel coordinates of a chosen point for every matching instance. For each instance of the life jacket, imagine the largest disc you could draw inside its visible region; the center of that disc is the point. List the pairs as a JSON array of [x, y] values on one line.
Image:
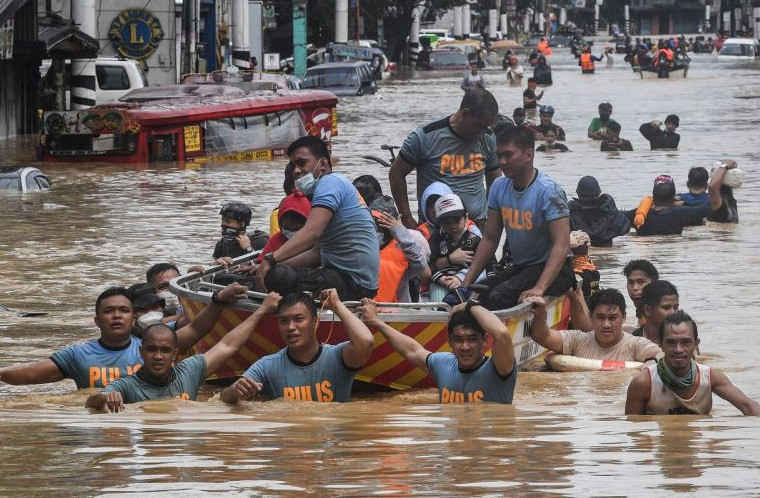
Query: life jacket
[[642, 211], [587, 63], [393, 265], [663, 54]]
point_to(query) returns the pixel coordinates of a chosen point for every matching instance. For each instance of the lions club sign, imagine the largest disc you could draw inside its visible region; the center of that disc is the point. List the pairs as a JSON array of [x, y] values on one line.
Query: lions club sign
[[136, 33]]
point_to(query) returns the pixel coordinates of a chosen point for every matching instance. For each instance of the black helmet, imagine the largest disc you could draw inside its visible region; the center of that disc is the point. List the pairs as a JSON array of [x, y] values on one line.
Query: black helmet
[[237, 211]]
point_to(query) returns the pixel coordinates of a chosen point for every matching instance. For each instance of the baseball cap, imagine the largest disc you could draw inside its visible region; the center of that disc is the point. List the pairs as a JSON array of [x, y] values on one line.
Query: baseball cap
[[449, 205]]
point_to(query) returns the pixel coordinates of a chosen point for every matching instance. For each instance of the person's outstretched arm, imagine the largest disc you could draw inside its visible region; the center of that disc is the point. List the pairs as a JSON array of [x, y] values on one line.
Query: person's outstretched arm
[[400, 169], [237, 337], [713, 188], [112, 400], [407, 347], [539, 329], [360, 340], [726, 390], [40, 372]]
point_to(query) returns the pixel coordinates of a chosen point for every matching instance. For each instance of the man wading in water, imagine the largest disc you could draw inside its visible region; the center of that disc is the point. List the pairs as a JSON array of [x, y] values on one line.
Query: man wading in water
[[677, 384]]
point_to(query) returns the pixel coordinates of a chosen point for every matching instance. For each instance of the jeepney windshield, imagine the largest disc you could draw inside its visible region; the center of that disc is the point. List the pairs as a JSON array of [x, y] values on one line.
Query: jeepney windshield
[[331, 77]]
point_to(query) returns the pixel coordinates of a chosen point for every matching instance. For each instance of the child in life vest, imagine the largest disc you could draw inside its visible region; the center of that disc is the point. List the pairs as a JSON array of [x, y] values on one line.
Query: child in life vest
[[291, 217], [452, 246], [403, 253]]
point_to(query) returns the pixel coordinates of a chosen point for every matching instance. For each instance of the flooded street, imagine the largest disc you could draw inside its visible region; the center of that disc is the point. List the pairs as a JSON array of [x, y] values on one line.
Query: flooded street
[[105, 225]]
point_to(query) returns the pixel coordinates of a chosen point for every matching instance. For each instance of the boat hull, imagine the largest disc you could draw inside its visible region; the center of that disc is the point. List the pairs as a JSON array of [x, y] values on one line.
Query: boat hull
[[385, 367], [651, 74]]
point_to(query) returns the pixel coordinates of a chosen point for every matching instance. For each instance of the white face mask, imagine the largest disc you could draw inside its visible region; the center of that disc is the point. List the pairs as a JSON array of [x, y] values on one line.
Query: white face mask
[[172, 302], [148, 319], [307, 183], [287, 233]]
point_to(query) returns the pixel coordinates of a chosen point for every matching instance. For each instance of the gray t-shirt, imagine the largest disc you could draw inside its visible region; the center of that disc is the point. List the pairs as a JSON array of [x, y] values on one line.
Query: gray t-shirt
[[324, 379], [440, 155], [187, 377], [482, 384], [349, 242]]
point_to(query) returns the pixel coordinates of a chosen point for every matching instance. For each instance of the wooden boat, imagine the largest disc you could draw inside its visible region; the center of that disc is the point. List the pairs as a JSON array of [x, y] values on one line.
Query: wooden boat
[[422, 321], [189, 123], [680, 70]]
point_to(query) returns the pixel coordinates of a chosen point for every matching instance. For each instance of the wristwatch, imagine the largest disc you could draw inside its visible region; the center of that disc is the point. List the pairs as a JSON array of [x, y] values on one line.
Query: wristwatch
[[471, 303], [270, 259], [248, 249]]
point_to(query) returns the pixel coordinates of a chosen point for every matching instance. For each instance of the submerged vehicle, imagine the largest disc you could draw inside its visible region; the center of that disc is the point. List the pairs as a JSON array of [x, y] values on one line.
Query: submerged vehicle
[[425, 322], [24, 179], [344, 79], [735, 49], [189, 123], [443, 60]]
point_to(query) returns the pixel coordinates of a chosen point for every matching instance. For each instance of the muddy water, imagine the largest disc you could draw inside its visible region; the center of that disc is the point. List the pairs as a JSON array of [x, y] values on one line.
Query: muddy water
[[105, 225]]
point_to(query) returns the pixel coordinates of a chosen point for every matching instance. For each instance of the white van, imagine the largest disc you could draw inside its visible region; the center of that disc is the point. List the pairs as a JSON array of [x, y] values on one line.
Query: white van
[[737, 49], [113, 78]]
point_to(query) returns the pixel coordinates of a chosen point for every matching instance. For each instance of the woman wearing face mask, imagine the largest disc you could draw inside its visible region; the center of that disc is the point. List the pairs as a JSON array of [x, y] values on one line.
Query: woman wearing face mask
[[291, 215]]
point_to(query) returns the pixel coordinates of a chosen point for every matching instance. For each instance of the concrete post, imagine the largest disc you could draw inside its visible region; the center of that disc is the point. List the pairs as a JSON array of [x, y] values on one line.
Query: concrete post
[[466, 20], [627, 12], [596, 19], [457, 22], [241, 53], [341, 21], [299, 38], [756, 18], [503, 25], [562, 16], [83, 70], [493, 21], [414, 37]]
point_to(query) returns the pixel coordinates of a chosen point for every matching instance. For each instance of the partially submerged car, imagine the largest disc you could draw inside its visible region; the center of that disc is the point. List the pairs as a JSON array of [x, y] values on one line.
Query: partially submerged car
[[24, 179], [443, 60], [343, 79]]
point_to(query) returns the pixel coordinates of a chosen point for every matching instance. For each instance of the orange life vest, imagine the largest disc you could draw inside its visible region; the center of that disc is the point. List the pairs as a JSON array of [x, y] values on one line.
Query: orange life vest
[[393, 265], [663, 51], [643, 211], [587, 63]]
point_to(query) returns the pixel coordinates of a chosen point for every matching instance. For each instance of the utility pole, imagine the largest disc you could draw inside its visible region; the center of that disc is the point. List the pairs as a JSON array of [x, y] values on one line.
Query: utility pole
[[299, 38]]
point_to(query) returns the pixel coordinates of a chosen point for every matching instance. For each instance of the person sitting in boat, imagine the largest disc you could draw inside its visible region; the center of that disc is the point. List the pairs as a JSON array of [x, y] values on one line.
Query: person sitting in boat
[[306, 369], [291, 217], [116, 352], [596, 214], [452, 246], [347, 256], [148, 307], [606, 342], [583, 266], [658, 215], [458, 150], [161, 376], [550, 143], [587, 60], [678, 385], [613, 142], [531, 209], [597, 129], [288, 185], [368, 187], [725, 178], [472, 79], [530, 99], [542, 73], [402, 256], [546, 114], [235, 242], [658, 300], [466, 374], [638, 274], [515, 72], [159, 276], [659, 139], [664, 60]]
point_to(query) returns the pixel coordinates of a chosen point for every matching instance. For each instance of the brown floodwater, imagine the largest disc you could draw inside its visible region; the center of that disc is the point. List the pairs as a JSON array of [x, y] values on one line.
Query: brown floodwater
[[566, 433]]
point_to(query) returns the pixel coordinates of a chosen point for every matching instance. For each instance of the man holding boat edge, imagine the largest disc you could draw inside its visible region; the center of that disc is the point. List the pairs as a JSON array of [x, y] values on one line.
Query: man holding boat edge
[[466, 375], [337, 247], [115, 353], [162, 377], [606, 342], [677, 384], [306, 369]]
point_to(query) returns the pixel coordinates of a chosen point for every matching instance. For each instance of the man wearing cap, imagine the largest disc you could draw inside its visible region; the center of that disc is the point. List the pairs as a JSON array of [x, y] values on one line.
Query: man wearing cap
[[597, 129], [337, 246], [458, 150], [532, 210], [659, 139], [116, 353], [546, 113], [596, 214], [664, 217]]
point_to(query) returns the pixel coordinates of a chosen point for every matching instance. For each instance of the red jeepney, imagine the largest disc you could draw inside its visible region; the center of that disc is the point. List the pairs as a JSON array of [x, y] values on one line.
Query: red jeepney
[[189, 123]]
